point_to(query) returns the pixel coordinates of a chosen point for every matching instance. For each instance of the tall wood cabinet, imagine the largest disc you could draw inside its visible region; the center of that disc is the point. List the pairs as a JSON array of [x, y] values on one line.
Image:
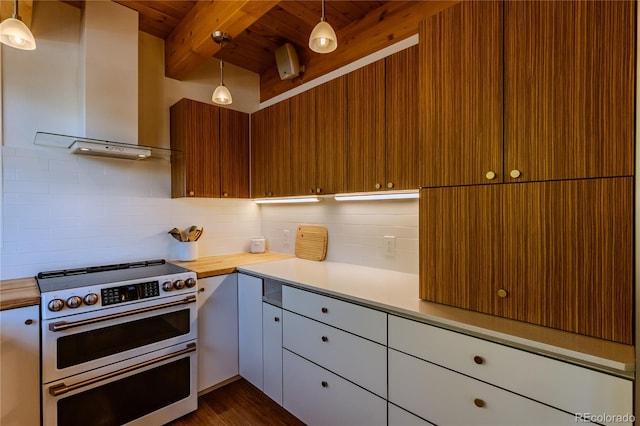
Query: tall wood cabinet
[[211, 151], [556, 253], [303, 143]]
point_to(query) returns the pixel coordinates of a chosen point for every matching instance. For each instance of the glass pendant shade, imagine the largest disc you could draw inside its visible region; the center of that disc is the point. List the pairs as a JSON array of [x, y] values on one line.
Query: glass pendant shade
[[323, 38], [221, 95], [14, 33]]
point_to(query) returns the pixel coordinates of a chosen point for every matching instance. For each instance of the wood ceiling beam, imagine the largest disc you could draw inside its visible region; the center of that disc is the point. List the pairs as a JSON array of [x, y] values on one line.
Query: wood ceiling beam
[[25, 10], [392, 22], [190, 43]]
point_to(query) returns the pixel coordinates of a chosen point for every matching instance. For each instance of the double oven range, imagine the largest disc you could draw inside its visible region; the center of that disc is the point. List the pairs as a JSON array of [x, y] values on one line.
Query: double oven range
[[118, 344]]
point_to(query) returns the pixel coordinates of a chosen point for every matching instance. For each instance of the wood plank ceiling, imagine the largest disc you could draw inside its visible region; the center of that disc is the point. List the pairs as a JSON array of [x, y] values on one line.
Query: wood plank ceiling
[[258, 27]]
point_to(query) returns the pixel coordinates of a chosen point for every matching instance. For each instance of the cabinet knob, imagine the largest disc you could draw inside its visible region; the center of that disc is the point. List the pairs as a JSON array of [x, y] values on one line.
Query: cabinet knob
[[490, 175], [270, 194], [318, 190], [390, 185], [478, 360], [28, 322], [324, 384], [502, 293], [378, 186], [224, 194], [324, 310], [313, 191], [325, 339], [191, 193], [276, 319], [479, 403], [201, 290], [515, 173]]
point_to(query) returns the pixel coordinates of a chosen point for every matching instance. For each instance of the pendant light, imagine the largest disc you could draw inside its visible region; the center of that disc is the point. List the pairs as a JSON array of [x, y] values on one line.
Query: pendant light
[[222, 95], [323, 38], [14, 32]]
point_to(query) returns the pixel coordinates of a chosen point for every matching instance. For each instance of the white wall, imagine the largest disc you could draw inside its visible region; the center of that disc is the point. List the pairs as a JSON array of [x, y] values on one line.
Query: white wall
[[60, 210], [356, 230]]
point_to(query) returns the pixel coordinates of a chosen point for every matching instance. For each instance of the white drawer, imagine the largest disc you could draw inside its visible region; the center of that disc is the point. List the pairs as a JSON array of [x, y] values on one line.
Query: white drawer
[[445, 397], [355, 319], [400, 417], [319, 397], [566, 386], [354, 358]]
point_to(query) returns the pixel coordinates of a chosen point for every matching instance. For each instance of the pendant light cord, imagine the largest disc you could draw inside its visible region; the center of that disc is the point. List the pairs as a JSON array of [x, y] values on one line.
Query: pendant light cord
[[221, 72], [15, 10], [322, 19]]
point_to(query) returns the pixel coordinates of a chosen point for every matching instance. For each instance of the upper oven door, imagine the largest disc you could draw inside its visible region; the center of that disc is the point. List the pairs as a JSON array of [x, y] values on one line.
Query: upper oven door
[[77, 343]]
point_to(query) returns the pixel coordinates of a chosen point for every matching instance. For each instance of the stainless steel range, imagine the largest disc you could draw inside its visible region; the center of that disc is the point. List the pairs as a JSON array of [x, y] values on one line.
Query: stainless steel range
[[118, 344]]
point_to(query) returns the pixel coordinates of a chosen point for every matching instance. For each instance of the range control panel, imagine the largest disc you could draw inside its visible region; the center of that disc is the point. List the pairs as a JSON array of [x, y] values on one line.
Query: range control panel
[[127, 293]]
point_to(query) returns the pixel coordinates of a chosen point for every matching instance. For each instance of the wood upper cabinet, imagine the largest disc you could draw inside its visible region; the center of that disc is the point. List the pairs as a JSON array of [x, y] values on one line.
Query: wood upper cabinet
[[331, 136], [560, 252], [234, 154], [568, 104], [303, 143], [195, 167], [569, 100], [402, 145], [271, 151], [460, 91], [366, 129]]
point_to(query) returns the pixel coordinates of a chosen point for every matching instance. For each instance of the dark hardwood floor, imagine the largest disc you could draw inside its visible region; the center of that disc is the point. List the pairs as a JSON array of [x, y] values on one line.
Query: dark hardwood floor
[[238, 403]]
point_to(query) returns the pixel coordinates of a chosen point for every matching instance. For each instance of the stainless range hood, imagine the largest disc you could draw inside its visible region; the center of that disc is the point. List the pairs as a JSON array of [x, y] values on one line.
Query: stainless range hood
[[101, 148]]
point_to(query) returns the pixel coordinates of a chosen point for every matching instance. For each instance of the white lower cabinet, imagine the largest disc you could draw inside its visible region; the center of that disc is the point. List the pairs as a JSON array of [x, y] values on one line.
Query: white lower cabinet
[[218, 330], [448, 398], [250, 329], [400, 417], [20, 366], [272, 351], [318, 397]]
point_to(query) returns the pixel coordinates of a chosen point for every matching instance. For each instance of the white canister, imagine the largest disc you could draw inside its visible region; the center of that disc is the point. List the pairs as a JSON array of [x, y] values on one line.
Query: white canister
[[187, 251], [257, 245]]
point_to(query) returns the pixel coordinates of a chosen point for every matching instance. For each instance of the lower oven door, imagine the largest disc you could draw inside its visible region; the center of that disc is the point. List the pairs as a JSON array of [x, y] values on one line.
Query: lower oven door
[[151, 389], [77, 343]]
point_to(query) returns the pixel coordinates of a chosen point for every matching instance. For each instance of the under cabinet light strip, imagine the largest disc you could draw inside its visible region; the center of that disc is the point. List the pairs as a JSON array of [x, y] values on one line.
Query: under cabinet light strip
[[404, 195], [287, 200]]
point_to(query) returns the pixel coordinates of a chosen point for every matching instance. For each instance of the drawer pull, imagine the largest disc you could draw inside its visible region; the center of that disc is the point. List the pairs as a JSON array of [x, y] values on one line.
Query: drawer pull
[[324, 310], [325, 384], [325, 339], [276, 319], [478, 360], [28, 322], [478, 402]]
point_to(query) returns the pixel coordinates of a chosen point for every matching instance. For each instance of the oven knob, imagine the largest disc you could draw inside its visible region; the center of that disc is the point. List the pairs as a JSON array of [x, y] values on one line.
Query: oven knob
[[55, 305], [91, 299], [190, 282], [167, 286], [74, 301], [178, 285]]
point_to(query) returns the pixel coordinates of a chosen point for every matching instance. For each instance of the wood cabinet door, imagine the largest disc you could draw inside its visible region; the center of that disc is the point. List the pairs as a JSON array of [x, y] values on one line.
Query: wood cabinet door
[[460, 89], [568, 255], [271, 151], [331, 136], [303, 143], [234, 154], [402, 154], [366, 129], [195, 133], [461, 246], [569, 98]]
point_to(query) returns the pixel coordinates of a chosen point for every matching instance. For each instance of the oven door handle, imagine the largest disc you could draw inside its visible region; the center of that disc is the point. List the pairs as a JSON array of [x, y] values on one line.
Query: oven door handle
[[63, 325], [61, 388]]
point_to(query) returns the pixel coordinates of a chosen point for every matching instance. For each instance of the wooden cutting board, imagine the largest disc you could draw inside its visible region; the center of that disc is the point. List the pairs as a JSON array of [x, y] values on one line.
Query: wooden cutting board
[[311, 242]]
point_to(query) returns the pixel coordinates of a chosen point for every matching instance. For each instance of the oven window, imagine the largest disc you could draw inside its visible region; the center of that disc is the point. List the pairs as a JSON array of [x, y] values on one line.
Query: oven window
[[127, 399], [95, 344]]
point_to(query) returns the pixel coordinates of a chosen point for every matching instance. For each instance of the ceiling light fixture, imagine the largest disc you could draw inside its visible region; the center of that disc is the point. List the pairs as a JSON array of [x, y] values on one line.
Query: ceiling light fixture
[[222, 95], [15, 33], [323, 38]]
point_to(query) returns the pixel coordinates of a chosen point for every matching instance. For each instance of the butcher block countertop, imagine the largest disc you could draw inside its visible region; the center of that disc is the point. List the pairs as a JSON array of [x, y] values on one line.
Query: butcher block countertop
[[228, 263], [397, 294], [18, 293]]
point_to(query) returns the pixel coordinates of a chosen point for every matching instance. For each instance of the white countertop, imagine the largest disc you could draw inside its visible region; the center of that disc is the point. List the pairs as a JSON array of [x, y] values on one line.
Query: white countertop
[[397, 293]]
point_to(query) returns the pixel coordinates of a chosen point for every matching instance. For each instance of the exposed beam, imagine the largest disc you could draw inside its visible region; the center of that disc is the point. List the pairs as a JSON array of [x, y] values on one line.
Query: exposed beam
[[190, 42], [384, 26], [25, 10]]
